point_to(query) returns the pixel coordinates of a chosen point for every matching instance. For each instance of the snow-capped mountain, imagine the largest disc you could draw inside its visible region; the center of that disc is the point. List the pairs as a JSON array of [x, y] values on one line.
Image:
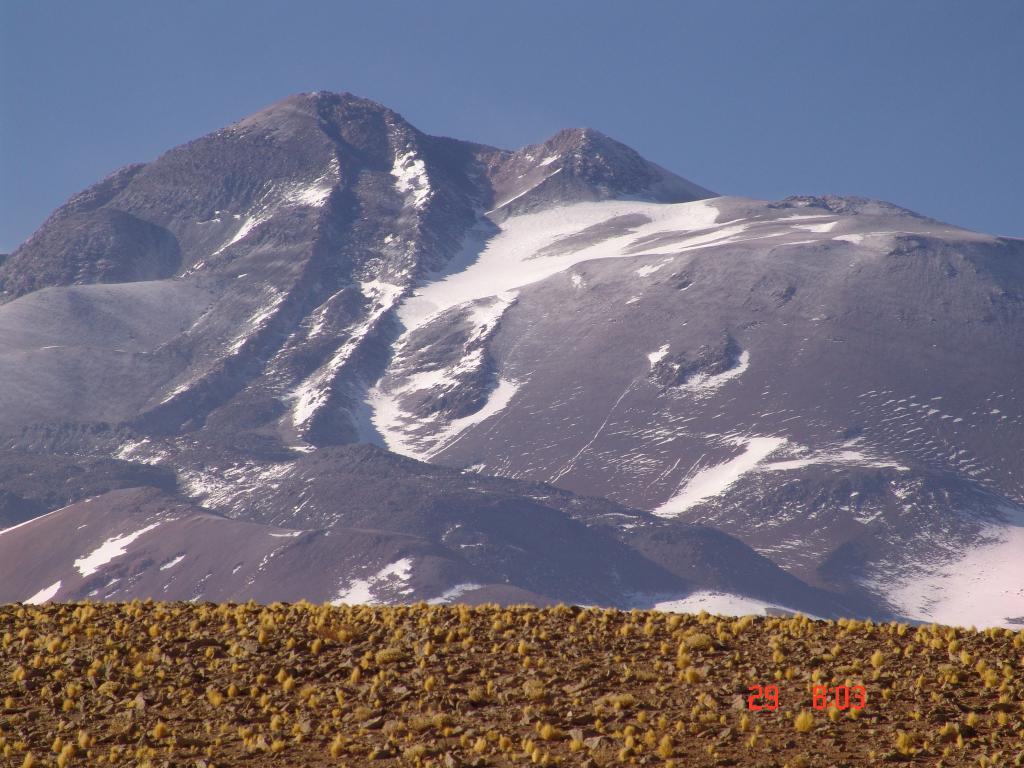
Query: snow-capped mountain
[[321, 354]]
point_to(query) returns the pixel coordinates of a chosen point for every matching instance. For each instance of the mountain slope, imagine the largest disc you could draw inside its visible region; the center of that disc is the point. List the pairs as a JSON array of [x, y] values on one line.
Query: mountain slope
[[832, 381], [404, 531], [804, 375]]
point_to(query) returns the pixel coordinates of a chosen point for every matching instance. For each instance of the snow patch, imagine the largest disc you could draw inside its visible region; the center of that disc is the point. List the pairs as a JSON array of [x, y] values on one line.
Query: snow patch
[[525, 191], [509, 260], [982, 587], [723, 235], [44, 594], [248, 226], [650, 269], [398, 427], [316, 193], [130, 448], [719, 603], [383, 295], [172, 563], [854, 238], [393, 576], [309, 193], [109, 550], [658, 355], [314, 392], [498, 401], [411, 178], [453, 594], [848, 457], [221, 488], [825, 227], [715, 480], [254, 324], [402, 431], [704, 383]]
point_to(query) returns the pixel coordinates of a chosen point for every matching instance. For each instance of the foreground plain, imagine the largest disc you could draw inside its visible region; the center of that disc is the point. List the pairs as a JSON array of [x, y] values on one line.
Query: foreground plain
[[178, 684]]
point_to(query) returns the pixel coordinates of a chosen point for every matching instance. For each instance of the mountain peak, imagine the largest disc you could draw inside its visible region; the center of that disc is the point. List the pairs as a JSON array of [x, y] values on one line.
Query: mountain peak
[[591, 165], [197, 202], [342, 116], [312, 101], [584, 137], [576, 135], [583, 164]]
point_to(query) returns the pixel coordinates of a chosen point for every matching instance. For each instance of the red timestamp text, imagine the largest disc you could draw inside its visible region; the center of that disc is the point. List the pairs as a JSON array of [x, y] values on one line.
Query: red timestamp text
[[768, 694], [842, 697]]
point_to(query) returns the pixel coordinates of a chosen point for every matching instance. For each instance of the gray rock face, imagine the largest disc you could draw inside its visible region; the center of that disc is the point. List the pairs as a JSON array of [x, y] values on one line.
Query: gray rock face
[[628, 391]]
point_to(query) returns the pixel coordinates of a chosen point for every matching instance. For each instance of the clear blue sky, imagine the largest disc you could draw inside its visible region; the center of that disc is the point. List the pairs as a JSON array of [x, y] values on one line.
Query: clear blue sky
[[920, 102]]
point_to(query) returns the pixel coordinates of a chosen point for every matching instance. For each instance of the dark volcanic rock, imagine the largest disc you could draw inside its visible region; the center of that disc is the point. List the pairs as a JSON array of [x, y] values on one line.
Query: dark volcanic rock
[[32, 484], [707, 360]]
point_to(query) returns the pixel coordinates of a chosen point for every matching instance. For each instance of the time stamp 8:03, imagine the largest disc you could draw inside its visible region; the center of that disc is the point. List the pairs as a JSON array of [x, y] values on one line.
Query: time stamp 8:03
[[842, 697]]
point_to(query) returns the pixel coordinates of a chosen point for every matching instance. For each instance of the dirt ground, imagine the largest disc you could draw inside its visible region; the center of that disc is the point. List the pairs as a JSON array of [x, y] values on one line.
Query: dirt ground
[[203, 685]]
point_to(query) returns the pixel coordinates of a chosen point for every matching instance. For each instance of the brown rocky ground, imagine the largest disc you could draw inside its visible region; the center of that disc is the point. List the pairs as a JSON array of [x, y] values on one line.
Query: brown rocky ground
[[171, 684]]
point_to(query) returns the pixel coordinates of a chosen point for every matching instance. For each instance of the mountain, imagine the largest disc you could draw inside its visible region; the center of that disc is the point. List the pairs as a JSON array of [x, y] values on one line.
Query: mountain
[[381, 365]]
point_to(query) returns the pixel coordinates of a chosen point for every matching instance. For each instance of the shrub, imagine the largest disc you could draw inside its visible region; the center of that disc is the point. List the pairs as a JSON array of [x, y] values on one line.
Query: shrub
[[804, 721]]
